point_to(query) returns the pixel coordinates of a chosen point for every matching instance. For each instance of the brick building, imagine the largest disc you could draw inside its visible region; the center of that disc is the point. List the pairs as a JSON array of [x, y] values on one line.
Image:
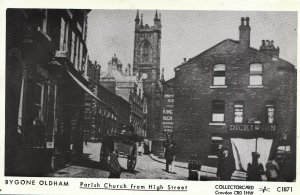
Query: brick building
[[113, 112], [45, 59], [92, 75], [235, 95]]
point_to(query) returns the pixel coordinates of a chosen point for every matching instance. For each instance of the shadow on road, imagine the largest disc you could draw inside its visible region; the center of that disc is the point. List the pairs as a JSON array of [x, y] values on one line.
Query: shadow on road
[[87, 162]]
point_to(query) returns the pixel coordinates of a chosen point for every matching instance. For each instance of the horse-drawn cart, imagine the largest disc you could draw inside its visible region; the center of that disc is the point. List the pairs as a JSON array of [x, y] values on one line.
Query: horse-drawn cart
[[124, 145]]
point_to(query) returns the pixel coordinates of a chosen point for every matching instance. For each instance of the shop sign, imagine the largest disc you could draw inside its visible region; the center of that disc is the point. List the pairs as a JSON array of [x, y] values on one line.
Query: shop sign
[[252, 127]]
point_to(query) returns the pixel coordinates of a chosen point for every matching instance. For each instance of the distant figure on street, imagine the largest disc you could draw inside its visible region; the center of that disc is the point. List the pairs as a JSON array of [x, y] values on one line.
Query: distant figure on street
[[194, 166], [140, 149], [169, 146], [226, 165], [272, 170], [255, 169], [115, 168]]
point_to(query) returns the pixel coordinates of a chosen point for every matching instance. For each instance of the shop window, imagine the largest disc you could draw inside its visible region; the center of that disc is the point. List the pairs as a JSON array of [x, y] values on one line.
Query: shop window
[[216, 144], [37, 97], [219, 74], [256, 74], [238, 112], [270, 112], [218, 110]]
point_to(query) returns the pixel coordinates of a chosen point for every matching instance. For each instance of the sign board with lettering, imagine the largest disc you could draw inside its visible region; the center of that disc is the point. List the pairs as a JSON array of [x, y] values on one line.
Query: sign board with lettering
[[252, 127], [167, 115]]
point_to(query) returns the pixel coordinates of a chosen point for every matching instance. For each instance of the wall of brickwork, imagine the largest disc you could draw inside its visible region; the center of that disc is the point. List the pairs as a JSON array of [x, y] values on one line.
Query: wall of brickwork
[[194, 96]]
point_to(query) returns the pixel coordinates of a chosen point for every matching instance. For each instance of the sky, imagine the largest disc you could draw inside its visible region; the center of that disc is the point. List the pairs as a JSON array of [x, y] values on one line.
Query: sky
[[186, 34]]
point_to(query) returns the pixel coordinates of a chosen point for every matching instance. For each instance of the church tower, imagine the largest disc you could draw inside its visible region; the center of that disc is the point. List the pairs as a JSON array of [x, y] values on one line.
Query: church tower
[[146, 61], [146, 64]]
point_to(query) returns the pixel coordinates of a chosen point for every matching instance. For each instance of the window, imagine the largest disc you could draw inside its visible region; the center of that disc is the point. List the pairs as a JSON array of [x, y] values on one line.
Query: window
[[218, 109], [145, 51], [219, 74], [270, 112], [216, 144], [72, 47], [64, 31], [77, 53], [238, 112], [256, 74], [80, 57]]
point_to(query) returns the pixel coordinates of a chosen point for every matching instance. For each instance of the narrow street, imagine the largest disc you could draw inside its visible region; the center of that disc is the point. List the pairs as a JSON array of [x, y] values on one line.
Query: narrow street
[[146, 167]]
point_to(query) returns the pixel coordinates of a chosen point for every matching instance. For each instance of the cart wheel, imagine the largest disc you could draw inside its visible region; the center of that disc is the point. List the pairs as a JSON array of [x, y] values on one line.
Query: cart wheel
[[104, 156], [132, 158]]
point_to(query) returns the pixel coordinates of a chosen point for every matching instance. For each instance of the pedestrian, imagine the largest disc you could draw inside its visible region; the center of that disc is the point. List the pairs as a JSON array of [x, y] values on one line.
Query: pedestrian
[[115, 168], [169, 147], [226, 165], [140, 149], [255, 169], [272, 170], [193, 167]]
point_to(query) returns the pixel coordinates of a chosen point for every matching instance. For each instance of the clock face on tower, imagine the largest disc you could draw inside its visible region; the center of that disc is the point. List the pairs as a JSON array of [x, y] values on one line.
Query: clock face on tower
[[144, 76]]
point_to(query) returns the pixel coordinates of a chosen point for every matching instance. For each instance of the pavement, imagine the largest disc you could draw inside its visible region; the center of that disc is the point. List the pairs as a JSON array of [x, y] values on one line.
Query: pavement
[[147, 167]]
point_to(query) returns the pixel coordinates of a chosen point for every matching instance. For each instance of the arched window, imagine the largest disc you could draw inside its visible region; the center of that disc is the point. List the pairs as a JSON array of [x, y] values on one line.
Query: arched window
[[256, 74], [146, 51], [219, 74]]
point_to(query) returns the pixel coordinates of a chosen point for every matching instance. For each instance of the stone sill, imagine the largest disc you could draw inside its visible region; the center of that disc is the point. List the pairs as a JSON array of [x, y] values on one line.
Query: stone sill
[[218, 86], [217, 124], [212, 156], [255, 86]]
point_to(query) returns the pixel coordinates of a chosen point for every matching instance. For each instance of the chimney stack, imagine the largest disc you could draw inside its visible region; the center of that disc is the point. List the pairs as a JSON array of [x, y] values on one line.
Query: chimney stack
[[184, 60], [245, 32], [268, 48]]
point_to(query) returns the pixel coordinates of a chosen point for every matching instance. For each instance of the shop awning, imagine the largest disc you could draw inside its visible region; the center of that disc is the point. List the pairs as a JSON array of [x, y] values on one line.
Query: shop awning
[[64, 64], [83, 86], [87, 90]]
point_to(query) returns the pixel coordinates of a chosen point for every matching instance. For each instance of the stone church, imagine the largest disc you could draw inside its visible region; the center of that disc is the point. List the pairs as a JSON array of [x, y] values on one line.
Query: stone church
[[146, 63]]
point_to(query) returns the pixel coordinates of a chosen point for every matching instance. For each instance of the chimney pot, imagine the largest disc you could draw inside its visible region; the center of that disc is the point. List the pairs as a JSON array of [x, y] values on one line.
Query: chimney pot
[[247, 21], [184, 59], [242, 21]]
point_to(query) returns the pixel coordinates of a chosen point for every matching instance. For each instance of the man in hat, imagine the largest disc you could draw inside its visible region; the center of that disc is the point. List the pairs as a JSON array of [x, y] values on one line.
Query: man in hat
[[226, 165], [255, 169]]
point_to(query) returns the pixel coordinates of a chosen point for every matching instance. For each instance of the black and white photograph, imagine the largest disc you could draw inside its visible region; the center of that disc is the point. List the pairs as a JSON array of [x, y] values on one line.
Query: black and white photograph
[[151, 94]]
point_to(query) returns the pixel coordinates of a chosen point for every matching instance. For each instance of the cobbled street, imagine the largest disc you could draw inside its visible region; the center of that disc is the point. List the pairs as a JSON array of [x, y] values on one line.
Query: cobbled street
[[146, 167]]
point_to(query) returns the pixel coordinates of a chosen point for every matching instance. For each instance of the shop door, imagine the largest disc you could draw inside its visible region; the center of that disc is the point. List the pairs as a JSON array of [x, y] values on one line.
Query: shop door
[[243, 148]]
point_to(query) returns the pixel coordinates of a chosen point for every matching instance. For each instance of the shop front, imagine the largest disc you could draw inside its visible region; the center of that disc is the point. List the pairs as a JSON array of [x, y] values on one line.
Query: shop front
[[248, 138]]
